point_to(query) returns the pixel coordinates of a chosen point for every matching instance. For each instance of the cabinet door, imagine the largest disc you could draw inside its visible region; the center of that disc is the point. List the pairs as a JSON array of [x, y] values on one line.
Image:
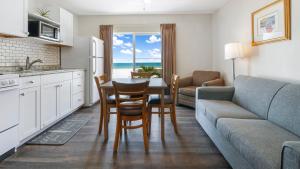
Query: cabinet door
[[29, 112], [66, 27], [14, 18], [49, 104], [65, 100]]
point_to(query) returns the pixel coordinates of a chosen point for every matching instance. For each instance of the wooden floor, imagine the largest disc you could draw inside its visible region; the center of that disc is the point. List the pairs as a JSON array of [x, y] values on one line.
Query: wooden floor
[[191, 149]]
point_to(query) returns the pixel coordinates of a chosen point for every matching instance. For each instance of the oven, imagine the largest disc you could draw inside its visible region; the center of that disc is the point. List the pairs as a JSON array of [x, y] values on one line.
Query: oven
[[9, 112]]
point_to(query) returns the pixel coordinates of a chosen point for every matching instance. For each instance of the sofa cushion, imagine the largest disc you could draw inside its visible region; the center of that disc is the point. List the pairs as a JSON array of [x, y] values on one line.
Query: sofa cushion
[[199, 77], [259, 141], [188, 91], [216, 109], [255, 94], [285, 108]]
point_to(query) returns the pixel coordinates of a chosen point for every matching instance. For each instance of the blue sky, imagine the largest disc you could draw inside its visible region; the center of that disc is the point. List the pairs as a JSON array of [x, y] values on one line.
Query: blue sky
[[148, 48]]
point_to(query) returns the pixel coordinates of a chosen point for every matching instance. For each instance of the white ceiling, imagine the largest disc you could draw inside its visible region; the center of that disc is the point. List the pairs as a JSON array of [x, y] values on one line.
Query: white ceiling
[[114, 7]]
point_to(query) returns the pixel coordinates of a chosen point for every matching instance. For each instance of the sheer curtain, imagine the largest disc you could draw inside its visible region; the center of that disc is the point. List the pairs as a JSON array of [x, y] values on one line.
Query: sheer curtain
[[168, 36], [106, 34]]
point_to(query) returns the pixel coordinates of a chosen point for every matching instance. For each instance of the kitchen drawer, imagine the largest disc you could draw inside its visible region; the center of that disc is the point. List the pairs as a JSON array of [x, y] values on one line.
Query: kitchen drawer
[[78, 85], [54, 78], [78, 100], [78, 74], [31, 81]]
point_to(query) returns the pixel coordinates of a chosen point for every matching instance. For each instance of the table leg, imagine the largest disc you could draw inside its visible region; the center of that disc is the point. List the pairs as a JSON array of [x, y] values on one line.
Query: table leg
[[105, 115], [162, 117]]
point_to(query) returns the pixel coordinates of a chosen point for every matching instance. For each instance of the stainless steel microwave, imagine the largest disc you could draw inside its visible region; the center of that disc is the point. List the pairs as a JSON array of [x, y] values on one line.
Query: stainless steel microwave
[[44, 30]]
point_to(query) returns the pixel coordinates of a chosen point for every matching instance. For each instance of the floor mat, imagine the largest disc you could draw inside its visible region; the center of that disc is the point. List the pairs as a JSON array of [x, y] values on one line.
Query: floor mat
[[62, 132]]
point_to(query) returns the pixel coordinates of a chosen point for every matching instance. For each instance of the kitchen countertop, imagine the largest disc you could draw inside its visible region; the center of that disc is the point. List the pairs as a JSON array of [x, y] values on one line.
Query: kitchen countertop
[[39, 72]]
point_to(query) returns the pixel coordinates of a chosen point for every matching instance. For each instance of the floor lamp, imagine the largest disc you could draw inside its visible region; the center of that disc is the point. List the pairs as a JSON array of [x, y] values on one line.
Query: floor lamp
[[232, 52]]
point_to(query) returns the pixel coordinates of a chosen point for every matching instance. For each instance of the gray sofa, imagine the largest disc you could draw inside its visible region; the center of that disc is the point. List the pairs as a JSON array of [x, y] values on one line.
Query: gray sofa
[[255, 124]]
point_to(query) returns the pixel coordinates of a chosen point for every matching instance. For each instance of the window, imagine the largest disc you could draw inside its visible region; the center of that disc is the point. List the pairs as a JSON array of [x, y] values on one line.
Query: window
[[133, 50]]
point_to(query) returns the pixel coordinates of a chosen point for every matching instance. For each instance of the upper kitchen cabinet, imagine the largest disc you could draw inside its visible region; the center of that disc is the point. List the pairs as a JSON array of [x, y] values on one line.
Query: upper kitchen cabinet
[[59, 15], [66, 27], [14, 18]]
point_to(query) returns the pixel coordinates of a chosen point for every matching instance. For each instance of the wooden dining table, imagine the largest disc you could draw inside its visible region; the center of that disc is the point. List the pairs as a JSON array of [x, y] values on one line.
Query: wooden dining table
[[156, 86]]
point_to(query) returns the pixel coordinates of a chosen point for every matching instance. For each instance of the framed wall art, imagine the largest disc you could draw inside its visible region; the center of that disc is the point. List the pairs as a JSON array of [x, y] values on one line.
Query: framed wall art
[[272, 23]]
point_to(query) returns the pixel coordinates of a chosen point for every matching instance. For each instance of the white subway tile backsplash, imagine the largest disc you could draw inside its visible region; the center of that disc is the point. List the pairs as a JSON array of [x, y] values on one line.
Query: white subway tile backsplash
[[13, 52]]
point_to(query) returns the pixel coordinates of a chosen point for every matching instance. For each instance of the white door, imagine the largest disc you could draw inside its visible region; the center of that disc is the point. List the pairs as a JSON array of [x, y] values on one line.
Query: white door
[[49, 104], [14, 17], [65, 100], [29, 112]]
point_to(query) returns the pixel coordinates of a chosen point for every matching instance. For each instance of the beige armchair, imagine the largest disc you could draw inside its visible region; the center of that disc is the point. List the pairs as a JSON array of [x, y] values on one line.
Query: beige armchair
[[188, 85]]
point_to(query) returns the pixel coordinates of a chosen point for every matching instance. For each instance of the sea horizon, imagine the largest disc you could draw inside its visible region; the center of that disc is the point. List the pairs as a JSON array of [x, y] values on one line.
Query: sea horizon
[[130, 65]]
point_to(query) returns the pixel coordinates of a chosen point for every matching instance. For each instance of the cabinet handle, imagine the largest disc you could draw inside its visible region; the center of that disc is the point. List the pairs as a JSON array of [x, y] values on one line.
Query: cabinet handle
[[31, 82], [79, 85], [22, 94]]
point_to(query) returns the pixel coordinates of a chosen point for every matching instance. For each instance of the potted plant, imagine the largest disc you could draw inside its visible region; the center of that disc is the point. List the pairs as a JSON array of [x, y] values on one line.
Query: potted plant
[[150, 69]]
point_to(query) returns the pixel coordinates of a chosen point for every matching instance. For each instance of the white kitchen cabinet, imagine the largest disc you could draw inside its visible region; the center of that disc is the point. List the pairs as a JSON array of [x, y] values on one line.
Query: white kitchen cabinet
[[30, 121], [56, 97], [14, 18], [66, 27], [49, 103], [78, 89], [65, 97]]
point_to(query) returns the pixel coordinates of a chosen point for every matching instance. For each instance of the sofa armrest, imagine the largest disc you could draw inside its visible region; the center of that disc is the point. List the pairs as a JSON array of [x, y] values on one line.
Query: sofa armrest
[[215, 93], [216, 82], [290, 157], [184, 82]]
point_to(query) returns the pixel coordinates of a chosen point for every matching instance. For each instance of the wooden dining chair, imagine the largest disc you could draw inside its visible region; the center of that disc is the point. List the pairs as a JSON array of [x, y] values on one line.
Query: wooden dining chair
[[169, 102], [110, 100], [131, 108], [137, 75]]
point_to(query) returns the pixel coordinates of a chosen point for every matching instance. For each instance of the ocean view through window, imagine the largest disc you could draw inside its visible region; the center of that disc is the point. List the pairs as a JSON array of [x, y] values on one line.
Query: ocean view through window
[[131, 51]]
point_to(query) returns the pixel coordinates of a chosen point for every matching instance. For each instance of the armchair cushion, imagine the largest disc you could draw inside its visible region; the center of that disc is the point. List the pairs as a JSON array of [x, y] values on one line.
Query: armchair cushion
[[199, 77], [216, 82], [188, 91], [184, 82]]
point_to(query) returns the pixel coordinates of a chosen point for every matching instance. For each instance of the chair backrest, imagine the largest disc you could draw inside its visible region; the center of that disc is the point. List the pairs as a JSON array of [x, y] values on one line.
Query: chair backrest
[[99, 81], [130, 95], [174, 87], [136, 75], [199, 77]]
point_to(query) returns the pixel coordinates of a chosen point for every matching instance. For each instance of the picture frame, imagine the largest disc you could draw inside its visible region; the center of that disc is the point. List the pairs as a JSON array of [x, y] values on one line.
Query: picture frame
[[272, 23]]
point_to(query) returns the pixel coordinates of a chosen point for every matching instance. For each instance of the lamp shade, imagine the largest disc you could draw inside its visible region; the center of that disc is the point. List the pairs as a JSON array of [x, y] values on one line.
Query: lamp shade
[[233, 51]]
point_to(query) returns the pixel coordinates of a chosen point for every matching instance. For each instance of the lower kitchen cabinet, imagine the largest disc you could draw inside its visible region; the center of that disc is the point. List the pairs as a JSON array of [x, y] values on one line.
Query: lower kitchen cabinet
[[65, 98], [29, 112], [46, 99], [49, 103]]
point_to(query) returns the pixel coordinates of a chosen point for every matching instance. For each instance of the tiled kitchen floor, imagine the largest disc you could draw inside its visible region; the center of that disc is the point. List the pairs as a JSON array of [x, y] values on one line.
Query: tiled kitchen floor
[[86, 150]]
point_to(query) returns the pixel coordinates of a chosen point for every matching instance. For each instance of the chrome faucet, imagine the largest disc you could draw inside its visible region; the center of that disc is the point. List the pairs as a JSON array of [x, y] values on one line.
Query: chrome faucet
[[29, 64]]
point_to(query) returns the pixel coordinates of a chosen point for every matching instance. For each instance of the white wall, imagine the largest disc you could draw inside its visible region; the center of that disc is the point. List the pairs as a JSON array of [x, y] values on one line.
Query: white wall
[[193, 35], [279, 60]]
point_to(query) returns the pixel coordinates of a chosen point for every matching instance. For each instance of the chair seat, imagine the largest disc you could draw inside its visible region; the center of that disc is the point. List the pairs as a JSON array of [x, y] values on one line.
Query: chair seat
[[131, 111], [188, 91], [155, 99]]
